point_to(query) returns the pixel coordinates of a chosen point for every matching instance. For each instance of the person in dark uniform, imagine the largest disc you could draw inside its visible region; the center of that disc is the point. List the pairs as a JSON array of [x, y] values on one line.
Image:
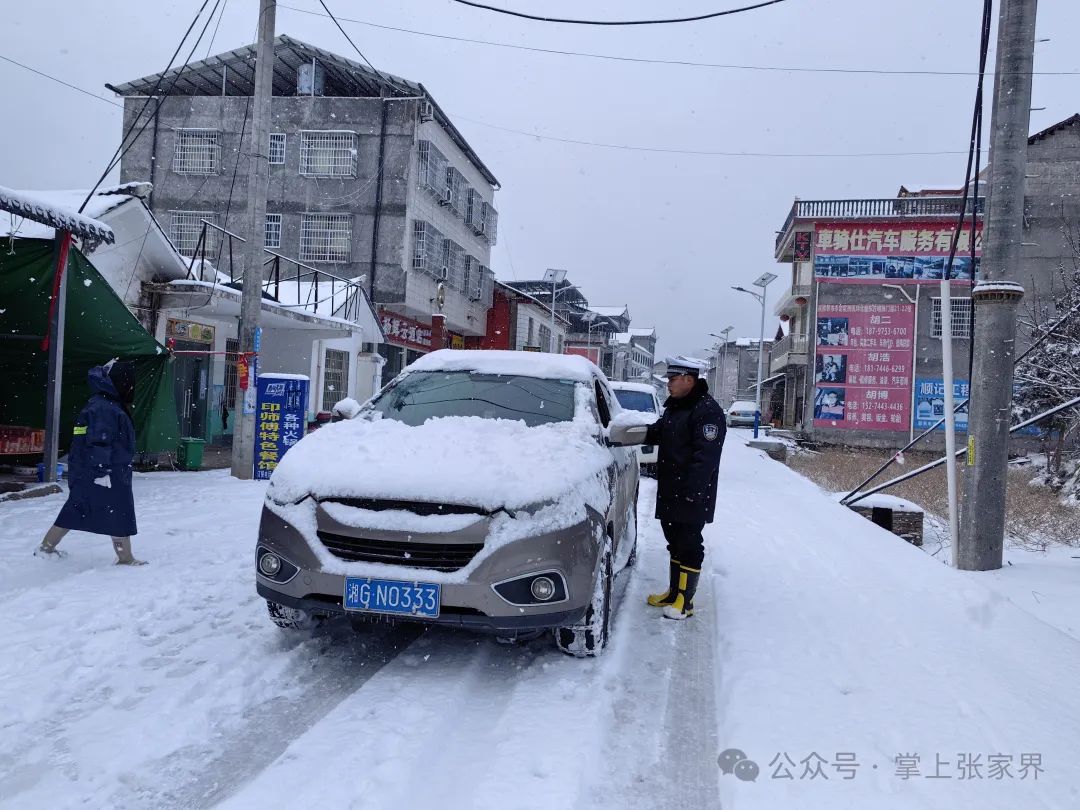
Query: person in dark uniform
[[690, 436], [100, 499]]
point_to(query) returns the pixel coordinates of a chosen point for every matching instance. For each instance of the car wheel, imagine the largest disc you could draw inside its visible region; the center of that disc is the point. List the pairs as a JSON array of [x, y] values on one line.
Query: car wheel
[[290, 618], [591, 636]]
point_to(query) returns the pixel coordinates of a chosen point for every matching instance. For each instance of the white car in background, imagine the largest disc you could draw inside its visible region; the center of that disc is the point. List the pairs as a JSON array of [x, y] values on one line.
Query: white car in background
[[741, 413], [640, 397]]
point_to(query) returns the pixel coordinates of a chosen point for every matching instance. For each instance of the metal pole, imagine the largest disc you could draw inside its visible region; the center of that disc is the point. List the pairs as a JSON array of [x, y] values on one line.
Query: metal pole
[[760, 363], [56, 358], [997, 295], [950, 413], [553, 282], [243, 451]]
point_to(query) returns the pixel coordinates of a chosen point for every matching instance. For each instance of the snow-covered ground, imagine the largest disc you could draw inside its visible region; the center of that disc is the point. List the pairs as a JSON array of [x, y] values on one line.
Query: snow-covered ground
[[820, 641]]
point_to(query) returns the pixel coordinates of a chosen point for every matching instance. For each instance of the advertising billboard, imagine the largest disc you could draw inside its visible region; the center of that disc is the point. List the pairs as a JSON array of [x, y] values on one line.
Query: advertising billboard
[[898, 253]]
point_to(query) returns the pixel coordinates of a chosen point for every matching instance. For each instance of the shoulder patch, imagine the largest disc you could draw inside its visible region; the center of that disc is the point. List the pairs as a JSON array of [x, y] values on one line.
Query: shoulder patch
[[710, 431]]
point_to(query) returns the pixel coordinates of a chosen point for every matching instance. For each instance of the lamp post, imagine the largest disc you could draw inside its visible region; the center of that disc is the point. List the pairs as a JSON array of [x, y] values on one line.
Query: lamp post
[[555, 277], [762, 281], [724, 333]]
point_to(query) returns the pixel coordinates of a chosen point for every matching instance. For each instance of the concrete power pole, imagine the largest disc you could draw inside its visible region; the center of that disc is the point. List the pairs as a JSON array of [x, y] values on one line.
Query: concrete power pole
[[243, 453], [997, 295]]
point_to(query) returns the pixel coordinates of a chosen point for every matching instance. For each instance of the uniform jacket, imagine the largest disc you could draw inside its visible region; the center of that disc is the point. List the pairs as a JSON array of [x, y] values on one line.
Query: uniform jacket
[[690, 436], [103, 445]]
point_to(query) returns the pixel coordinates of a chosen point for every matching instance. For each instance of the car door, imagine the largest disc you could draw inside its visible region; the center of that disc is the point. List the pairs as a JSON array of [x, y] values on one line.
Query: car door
[[624, 485]]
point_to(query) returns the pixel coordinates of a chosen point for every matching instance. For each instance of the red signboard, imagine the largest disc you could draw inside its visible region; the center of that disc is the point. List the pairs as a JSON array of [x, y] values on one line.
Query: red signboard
[[402, 331], [21, 441], [893, 252], [583, 351], [863, 366]]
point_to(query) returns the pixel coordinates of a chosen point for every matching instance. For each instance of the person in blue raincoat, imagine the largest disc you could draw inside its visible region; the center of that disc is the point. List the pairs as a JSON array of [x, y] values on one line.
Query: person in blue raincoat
[[100, 499]]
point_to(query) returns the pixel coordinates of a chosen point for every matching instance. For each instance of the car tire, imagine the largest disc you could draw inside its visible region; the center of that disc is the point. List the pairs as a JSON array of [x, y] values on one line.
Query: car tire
[[289, 618], [590, 637]]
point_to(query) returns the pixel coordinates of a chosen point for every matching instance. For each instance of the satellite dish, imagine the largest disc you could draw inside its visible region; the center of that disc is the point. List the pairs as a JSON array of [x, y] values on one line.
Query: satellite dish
[[440, 296]]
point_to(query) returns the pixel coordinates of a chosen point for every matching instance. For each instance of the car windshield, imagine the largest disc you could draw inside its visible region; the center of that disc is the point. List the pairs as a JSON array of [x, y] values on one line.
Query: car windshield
[[424, 395], [636, 400]]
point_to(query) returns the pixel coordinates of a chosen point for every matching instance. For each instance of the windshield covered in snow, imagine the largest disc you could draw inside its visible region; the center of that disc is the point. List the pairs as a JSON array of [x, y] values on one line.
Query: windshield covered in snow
[[636, 400], [420, 396]]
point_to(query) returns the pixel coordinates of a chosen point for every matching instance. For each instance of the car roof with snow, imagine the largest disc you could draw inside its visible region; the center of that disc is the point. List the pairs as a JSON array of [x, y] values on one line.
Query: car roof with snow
[[742, 404], [523, 364], [618, 385]]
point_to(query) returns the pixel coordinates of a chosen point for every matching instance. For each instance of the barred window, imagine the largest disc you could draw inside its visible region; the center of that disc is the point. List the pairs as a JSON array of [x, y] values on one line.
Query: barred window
[[429, 246], [232, 349], [325, 237], [454, 256], [185, 228], [961, 318], [277, 148], [491, 223], [545, 338], [327, 153], [432, 169], [273, 230], [455, 191], [474, 208], [335, 378], [468, 273], [198, 151]]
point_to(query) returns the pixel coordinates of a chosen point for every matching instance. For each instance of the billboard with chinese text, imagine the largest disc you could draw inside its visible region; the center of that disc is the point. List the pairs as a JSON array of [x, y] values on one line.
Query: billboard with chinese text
[[894, 252], [280, 418], [930, 403], [863, 366]]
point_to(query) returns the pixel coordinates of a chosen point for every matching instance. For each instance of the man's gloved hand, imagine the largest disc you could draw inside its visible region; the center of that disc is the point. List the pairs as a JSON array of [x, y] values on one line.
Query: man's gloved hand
[[104, 481]]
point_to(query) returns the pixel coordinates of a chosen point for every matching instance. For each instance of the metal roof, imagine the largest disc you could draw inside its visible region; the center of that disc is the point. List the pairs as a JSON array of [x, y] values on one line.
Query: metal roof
[[233, 74], [59, 217]]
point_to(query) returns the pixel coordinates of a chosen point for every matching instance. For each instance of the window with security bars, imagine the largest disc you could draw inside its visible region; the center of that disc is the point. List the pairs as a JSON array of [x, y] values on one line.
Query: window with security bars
[[455, 191], [545, 338], [432, 169], [454, 262], [469, 270], [276, 151], [198, 151], [491, 223], [273, 230], [474, 208], [325, 237], [961, 318], [480, 283], [329, 153], [185, 228], [335, 378]]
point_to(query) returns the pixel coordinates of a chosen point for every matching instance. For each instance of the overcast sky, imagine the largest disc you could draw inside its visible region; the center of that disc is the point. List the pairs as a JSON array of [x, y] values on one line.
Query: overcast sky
[[666, 234]]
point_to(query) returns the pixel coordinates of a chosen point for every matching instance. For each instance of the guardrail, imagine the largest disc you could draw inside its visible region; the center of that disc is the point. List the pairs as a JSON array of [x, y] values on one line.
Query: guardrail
[[783, 350]]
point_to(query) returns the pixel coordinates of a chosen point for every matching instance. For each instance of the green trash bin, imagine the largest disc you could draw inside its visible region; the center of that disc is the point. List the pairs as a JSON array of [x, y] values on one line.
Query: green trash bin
[[189, 453]]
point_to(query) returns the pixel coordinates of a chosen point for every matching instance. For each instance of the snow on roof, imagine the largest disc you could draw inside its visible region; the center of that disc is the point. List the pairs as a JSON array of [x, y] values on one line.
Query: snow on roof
[[882, 501], [743, 342], [630, 386], [35, 214], [648, 331], [524, 364], [610, 312], [621, 337]]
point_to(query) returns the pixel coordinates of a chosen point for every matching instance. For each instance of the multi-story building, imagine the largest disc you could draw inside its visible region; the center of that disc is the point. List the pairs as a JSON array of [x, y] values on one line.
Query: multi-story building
[[519, 322], [369, 179], [862, 360], [733, 369]]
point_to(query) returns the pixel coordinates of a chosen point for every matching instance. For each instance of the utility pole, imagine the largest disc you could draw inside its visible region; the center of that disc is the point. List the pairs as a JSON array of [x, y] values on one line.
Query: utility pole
[[997, 295], [243, 454]]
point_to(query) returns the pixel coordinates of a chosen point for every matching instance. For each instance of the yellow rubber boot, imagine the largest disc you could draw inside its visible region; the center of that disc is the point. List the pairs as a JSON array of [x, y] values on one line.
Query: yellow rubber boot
[[683, 605], [668, 596]]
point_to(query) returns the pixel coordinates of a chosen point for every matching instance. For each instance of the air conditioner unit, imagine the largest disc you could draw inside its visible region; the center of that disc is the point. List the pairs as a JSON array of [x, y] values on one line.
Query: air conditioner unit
[[443, 273], [447, 197], [427, 112]]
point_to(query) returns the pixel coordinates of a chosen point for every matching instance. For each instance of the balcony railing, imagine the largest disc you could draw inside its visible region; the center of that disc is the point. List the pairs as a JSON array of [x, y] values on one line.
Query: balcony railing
[[788, 351], [796, 291], [887, 208]]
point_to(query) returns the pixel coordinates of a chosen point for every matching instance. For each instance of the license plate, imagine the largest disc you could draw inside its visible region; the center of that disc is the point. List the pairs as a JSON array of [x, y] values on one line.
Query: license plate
[[394, 596]]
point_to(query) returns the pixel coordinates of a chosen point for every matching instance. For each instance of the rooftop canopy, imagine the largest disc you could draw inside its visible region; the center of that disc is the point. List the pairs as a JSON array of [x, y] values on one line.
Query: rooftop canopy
[[59, 217]]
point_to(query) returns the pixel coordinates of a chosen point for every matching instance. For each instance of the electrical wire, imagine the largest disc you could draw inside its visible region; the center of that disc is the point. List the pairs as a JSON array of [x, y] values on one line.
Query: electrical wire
[[213, 37], [61, 81], [150, 97], [696, 18], [651, 61], [386, 82]]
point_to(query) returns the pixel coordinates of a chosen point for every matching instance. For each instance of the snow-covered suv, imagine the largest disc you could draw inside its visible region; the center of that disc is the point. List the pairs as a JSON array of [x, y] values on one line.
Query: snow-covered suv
[[479, 489]]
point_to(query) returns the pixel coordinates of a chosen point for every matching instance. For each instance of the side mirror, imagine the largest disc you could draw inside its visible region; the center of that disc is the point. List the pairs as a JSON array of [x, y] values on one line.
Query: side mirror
[[626, 435]]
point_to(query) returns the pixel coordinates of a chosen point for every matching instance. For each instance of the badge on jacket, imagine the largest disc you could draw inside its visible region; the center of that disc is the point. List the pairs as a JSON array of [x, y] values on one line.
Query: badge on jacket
[[711, 432]]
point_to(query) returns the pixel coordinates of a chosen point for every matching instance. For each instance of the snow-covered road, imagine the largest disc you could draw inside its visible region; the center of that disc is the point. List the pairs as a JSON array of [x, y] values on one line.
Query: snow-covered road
[[817, 635]]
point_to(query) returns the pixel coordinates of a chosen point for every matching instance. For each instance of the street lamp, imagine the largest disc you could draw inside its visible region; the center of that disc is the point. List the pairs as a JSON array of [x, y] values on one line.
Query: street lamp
[[554, 277], [762, 281], [724, 333]]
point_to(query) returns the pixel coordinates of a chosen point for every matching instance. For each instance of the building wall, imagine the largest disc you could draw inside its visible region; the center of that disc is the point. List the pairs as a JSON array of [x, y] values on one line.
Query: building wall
[[1052, 210], [500, 330]]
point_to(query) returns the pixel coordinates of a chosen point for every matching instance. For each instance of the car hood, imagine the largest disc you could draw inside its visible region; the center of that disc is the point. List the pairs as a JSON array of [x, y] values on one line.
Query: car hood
[[486, 463]]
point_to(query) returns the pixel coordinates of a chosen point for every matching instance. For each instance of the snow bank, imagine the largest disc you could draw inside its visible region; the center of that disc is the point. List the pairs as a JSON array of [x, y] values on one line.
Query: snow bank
[[881, 501], [524, 364]]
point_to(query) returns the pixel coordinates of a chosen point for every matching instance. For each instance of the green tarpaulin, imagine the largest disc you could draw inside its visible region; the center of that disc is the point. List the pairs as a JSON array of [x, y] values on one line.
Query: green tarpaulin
[[97, 328]]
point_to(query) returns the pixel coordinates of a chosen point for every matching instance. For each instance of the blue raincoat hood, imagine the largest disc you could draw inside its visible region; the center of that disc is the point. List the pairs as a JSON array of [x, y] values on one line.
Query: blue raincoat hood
[[100, 382]]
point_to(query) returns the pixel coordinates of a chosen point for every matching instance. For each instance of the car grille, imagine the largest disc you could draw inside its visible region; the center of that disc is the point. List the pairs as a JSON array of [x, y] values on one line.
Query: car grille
[[433, 556], [416, 507]]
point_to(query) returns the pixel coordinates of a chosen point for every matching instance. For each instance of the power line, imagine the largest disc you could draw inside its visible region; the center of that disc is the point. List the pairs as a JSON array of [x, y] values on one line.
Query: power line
[[705, 152], [60, 81], [709, 16], [652, 61], [330, 14]]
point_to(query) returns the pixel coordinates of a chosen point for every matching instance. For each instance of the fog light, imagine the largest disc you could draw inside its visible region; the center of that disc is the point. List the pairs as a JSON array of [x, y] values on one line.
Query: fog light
[[269, 564], [542, 588]]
